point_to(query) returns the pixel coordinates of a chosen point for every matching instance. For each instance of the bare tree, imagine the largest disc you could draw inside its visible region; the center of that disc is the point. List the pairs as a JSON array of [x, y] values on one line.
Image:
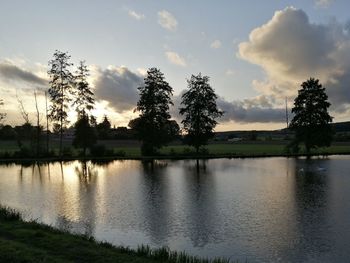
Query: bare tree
[[2, 115], [24, 113], [38, 127], [47, 124]]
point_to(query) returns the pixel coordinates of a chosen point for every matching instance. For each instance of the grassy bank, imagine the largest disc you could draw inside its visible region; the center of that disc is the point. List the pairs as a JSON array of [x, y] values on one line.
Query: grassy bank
[[33, 242], [131, 150]]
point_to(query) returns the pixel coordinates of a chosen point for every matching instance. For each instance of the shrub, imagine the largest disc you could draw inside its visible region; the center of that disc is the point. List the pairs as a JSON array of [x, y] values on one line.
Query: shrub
[[98, 150], [120, 153], [67, 152], [24, 151]]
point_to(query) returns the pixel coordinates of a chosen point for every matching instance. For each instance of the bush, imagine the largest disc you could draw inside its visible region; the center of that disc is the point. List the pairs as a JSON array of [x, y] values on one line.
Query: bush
[[67, 152], [98, 150], [203, 151], [187, 151], [6, 155], [120, 153], [23, 152]]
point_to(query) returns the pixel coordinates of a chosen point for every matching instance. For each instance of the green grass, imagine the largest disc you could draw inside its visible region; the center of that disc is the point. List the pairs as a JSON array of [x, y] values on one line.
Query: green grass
[[239, 149], [33, 242]]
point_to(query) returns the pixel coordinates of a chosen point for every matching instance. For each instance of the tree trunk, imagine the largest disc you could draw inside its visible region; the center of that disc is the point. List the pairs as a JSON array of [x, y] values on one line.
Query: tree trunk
[[61, 138]]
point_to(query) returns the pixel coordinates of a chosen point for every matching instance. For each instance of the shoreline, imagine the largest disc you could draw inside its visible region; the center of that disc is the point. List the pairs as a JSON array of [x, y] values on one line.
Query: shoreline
[[165, 157], [30, 241]]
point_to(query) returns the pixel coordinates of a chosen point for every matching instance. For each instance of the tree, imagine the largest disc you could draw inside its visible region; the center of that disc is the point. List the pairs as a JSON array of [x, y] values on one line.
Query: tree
[[2, 115], [311, 121], [103, 128], [200, 111], [153, 105], [7, 133], [171, 128], [84, 97], [60, 90], [84, 134]]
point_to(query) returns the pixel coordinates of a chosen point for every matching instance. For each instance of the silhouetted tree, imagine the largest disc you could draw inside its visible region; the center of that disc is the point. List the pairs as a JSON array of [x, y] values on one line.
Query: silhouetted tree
[[2, 115], [104, 128], [311, 121], [200, 111], [171, 129], [84, 134], [153, 105], [61, 81], [84, 100], [38, 126]]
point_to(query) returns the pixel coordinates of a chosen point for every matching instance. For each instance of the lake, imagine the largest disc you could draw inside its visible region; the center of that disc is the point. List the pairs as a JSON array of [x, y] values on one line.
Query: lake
[[258, 209]]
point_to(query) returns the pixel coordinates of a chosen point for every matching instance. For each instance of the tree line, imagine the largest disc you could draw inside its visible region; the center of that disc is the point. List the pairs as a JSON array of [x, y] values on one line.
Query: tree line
[[154, 126]]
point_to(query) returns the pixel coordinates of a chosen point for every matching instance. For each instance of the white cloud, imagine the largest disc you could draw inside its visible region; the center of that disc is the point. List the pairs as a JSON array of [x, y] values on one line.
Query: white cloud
[[216, 44], [290, 49], [323, 3], [167, 20], [230, 72], [116, 85], [175, 59], [135, 15]]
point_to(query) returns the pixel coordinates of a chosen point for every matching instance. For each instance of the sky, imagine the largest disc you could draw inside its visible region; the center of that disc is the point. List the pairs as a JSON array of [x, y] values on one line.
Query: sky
[[256, 53]]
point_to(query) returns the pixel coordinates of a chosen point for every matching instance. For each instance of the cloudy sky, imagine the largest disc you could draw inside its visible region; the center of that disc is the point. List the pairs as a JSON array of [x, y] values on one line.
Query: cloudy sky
[[256, 53]]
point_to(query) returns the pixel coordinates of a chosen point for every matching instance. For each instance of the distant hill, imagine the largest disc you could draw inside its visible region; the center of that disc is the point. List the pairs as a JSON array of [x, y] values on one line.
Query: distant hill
[[341, 126], [338, 127]]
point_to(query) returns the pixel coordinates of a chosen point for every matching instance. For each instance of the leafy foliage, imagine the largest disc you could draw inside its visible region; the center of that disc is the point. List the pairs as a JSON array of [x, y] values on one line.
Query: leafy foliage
[[61, 81], [84, 135], [200, 111], [83, 95], [153, 123], [104, 128], [312, 120]]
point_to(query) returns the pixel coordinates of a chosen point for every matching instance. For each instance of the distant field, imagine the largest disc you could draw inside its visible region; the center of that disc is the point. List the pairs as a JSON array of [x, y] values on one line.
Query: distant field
[[132, 148]]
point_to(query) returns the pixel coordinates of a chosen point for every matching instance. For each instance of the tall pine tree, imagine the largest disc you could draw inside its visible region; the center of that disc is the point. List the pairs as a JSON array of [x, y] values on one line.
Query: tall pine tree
[[84, 100]]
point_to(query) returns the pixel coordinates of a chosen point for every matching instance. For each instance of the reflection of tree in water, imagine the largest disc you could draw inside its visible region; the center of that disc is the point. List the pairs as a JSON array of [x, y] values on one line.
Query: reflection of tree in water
[[156, 202], [200, 203], [88, 175], [86, 171], [85, 216], [311, 196], [103, 162]]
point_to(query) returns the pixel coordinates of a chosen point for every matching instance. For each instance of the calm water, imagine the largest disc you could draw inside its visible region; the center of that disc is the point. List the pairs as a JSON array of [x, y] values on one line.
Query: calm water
[[268, 209]]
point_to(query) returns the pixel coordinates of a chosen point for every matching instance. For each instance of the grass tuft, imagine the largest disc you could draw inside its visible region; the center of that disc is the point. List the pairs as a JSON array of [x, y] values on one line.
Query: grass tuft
[[9, 214]]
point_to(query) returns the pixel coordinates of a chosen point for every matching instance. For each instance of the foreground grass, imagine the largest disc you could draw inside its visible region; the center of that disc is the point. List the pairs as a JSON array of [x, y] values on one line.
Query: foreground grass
[[33, 242]]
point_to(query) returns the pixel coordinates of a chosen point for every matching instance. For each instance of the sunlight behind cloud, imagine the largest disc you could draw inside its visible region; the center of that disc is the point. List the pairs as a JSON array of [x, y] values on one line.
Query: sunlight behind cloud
[[291, 49]]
